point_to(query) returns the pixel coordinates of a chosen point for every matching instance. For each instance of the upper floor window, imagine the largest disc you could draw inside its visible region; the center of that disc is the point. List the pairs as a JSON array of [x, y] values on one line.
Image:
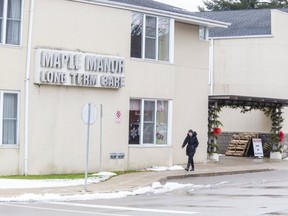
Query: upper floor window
[[150, 37], [9, 118], [203, 33], [10, 21]]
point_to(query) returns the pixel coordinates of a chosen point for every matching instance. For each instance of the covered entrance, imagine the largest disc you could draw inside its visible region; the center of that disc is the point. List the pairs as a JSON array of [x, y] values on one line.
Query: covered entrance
[[272, 108]]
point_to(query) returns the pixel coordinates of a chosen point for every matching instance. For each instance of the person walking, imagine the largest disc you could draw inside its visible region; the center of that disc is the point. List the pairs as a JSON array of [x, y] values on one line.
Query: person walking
[[192, 143]]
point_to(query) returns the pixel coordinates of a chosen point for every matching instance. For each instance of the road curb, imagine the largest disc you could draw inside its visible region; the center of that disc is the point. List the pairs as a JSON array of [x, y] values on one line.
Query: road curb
[[213, 174]]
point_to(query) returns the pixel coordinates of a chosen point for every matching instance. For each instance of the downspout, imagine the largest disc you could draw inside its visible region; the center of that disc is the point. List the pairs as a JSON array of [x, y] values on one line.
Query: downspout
[[27, 82], [211, 67]]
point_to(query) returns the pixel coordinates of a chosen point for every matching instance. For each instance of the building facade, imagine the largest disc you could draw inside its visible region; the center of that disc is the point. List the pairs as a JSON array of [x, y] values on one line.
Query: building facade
[[140, 66], [248, 64], [249, 59]]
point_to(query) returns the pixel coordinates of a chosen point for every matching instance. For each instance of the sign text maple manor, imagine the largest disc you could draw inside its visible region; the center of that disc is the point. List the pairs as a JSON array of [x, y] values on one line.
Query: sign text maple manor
[[54, 67]]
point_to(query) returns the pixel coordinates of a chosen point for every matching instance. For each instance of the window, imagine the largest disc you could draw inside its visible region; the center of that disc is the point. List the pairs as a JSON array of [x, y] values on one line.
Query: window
[[9, 118], [1, 18], [148, 121], [150, 37], [203, 33], [10, 21]]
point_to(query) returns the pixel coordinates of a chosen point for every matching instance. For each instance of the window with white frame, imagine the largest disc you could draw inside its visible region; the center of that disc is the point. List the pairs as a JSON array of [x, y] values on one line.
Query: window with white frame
[[150, 37], [9, 118], [203, 33], [148, 121], [10, 21]]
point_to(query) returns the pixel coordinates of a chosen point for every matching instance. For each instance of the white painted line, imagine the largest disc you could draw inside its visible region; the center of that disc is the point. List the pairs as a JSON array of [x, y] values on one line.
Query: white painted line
[[124, 208], [61, 210]]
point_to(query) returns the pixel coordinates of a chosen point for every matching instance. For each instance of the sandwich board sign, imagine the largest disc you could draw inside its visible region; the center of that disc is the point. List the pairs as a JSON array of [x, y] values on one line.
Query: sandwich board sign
[[257, 147]]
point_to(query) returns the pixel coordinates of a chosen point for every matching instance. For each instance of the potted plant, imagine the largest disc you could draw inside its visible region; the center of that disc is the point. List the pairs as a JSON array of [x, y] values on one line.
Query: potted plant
[[213, 151], [277, 147], [213, 132]]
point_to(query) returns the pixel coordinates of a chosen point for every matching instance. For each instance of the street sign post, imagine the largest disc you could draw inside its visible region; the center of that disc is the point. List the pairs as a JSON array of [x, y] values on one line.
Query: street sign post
[[89, 116], [89, 113]]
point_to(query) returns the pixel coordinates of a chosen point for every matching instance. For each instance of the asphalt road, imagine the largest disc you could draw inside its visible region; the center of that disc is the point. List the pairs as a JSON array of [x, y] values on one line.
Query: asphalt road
[[262, 193]]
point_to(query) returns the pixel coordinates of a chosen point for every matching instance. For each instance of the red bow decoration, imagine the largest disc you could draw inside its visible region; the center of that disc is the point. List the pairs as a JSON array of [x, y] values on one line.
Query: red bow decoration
[[281, 136], [216, 131]]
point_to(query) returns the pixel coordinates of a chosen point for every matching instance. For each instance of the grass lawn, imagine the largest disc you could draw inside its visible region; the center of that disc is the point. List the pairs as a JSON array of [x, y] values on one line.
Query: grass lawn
[[62, 176]]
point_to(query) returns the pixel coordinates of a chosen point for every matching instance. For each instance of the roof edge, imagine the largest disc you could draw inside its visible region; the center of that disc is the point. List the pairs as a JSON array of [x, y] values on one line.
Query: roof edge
[[223, 98], [177, 16], [280, 10]]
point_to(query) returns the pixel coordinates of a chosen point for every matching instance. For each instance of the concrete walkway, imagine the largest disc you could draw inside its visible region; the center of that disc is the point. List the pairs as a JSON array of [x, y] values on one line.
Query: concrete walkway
[[131, 181]]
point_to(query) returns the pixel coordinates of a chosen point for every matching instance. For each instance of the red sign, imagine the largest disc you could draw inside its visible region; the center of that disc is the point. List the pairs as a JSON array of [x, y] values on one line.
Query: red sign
[[118, 117]]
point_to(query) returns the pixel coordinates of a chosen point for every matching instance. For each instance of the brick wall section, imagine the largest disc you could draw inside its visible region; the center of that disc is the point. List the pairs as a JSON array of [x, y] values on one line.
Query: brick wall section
[[223, 141], [225, 137]]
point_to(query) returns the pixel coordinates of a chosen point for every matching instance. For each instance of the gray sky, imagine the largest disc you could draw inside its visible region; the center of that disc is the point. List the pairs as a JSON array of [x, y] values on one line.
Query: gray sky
[[186, 4]]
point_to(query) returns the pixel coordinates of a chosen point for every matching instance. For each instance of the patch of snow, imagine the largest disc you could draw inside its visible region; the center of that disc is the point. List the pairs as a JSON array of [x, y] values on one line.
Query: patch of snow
[[156, 188], [104, 174], [163, 168]]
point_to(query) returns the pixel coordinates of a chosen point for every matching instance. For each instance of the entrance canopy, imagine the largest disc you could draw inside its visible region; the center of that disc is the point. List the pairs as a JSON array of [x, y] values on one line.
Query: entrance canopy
[[236, 100], [270, 106]]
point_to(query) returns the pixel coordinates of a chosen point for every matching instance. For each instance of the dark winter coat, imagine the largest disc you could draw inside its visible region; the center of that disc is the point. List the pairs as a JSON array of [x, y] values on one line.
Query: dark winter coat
[[192, 144]]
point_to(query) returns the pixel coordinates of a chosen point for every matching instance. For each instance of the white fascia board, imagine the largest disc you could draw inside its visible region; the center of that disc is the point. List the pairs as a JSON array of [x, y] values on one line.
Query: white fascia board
[[177, 16], [241, 37], [279, 11], [201, 21]]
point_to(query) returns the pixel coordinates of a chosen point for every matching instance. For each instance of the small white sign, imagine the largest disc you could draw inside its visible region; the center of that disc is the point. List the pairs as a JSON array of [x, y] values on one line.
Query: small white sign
[[118, 117], [257, 147], [89, 109]]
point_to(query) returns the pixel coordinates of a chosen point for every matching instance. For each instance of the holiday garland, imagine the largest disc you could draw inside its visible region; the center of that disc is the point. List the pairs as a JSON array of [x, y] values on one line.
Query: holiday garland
[[271, 111], [213, 128]]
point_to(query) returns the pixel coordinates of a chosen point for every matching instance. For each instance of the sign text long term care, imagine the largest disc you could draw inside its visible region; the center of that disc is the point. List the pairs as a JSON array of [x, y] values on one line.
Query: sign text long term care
[[56, 67]]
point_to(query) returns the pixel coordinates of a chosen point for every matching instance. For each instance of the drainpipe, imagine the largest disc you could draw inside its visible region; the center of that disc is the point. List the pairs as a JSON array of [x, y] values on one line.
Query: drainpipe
[[27, 82], [211, 66]]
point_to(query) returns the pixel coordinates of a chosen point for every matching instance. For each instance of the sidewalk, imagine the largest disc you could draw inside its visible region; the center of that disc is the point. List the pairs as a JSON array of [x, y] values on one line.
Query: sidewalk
[[132, 181]]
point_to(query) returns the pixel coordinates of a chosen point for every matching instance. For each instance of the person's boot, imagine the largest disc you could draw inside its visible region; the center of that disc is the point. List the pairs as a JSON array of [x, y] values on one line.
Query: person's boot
[[187, 168], [192, 169]]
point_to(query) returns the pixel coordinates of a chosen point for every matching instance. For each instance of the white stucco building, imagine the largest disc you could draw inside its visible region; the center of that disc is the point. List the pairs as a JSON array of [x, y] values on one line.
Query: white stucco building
[[249, 59], [248, 66], [143, 62]]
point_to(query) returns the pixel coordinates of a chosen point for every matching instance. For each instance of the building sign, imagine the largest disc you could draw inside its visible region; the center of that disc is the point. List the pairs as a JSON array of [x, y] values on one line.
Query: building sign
[[55, 67]]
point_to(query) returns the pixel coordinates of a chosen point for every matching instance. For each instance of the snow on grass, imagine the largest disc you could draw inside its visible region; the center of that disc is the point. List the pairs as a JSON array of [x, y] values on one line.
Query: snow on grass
[[48, 183]]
